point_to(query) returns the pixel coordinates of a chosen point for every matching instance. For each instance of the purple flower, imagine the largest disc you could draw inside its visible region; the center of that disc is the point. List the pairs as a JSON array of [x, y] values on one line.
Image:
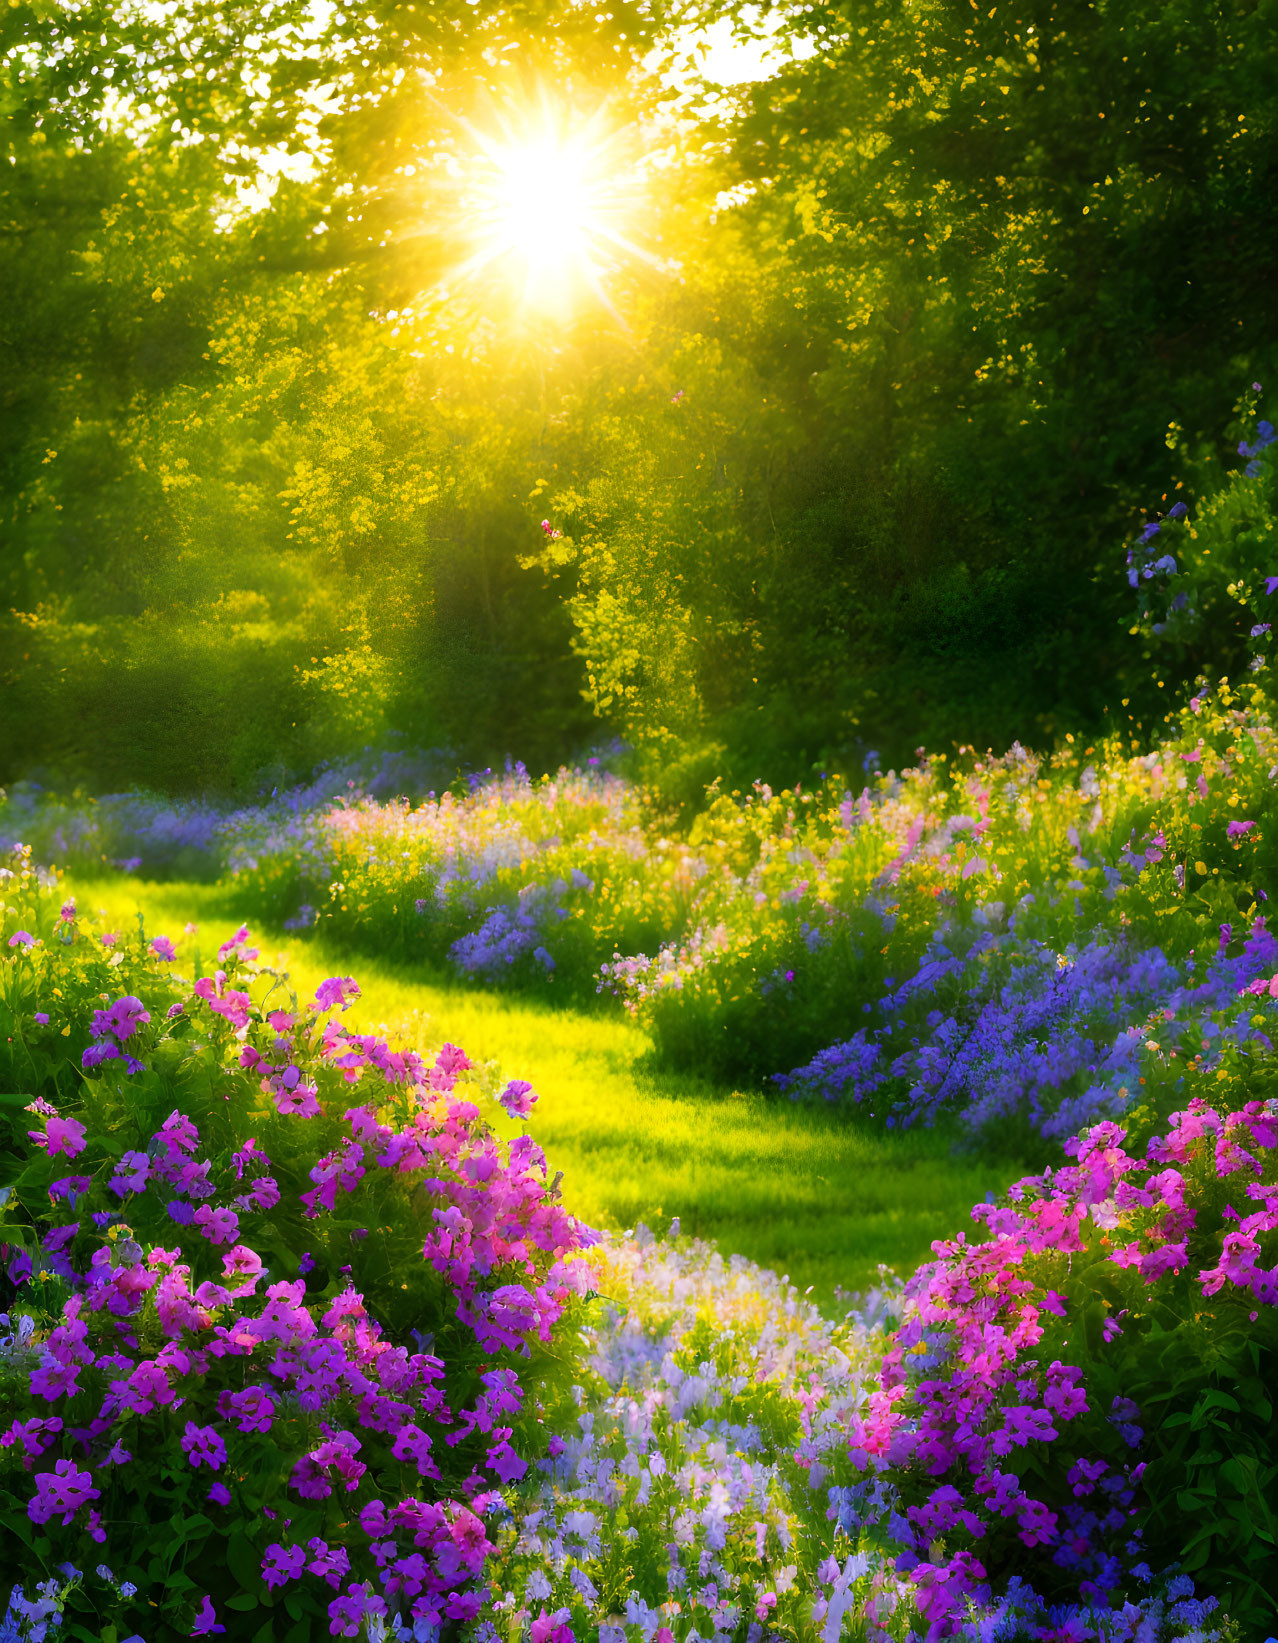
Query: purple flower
[[336, 990], [62, 1491], [219, 1226], [41, 1018], [163, 948], [220, 1495], [206, 1620], [282, 1564], [60, 1135], [203, 1447], [22, 938], [132, 1173], [518, 1098]]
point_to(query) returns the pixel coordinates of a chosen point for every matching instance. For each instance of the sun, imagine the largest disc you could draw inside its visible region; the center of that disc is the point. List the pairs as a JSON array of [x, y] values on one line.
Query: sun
[[544, 206]]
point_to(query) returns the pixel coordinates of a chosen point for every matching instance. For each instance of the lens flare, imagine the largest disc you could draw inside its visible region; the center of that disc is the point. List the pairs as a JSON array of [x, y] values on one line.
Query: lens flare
[[542, 207]]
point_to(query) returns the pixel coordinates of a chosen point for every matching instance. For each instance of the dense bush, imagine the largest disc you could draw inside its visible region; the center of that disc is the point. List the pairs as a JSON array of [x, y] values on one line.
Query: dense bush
[[1086, 1393], [301, 1326]]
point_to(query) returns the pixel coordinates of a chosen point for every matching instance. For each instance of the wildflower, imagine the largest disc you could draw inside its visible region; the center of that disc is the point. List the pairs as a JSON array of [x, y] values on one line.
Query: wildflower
[[206, 1619], [64, 1491], [22, 938], [163, 948], [61, 1135], [518, 1098], [202, 1446], [336, 990], [282, 1564]]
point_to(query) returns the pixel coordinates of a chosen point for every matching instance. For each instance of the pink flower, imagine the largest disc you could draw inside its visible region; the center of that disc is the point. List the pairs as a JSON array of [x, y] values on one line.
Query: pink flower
[[163, 948], [22, 938], [60, 1135], [219, 1226], [242, 1262], [518, 1098], [336, 990], [110, 937], [553, 1628]]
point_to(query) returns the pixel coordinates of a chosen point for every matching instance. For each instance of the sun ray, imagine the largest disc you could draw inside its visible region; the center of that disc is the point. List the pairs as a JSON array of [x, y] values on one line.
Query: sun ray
[[543, 202]]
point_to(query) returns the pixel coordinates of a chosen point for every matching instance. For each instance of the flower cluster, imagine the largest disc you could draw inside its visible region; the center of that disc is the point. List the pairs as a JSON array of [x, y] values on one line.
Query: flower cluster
[[283, 1291]]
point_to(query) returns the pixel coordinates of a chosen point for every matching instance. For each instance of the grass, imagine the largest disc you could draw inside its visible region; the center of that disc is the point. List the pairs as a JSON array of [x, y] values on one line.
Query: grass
[[797, 1188]]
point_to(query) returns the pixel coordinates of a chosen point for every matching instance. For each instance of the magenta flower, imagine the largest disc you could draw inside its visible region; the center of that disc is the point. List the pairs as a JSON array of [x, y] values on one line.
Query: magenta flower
[[336, 990], [299, 1102], [554, 1628], [62, 1491], [242, 1262], [452, 1060], [53, 1380], [163, 948], [252, 1410], [236, 947], [60, 1135], [22, 938], [518, 1098], [219, 1226], [67, 911]]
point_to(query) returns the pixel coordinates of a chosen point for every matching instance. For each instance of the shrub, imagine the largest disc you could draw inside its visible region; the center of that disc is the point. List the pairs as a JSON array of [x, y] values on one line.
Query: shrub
[[303, 1330], [1086, 1394]]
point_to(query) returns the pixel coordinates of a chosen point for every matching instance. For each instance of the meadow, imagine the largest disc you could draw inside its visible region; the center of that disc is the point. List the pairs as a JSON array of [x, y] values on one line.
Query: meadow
[[845, 1212], [638, 822]]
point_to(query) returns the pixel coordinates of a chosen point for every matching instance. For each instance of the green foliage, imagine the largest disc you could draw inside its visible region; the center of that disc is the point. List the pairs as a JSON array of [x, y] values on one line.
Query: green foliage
[[848, 473]]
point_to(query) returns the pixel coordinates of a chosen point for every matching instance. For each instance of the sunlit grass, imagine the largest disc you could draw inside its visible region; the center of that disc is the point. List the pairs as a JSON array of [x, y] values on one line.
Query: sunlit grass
[[798, 1188]]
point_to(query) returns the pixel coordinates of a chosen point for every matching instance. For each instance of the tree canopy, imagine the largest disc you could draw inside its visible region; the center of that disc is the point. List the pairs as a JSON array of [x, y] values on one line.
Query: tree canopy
[[877, 365]]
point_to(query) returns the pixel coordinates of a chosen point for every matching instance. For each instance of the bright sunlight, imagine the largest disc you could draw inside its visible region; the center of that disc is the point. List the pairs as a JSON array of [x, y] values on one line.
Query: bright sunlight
[[545, 203]]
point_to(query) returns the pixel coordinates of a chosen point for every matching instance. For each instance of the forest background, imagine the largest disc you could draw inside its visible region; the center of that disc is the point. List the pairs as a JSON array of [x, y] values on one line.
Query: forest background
[[905, 341]]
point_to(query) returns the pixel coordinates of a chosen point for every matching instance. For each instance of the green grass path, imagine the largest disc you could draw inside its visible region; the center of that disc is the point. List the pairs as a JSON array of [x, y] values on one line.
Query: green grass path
[[797, 1188]]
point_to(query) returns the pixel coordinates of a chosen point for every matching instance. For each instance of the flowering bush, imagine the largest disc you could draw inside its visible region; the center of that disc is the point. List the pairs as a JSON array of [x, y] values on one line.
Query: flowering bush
[[710, 1492], [269, 1341], [511, 882], [1086, 1393]]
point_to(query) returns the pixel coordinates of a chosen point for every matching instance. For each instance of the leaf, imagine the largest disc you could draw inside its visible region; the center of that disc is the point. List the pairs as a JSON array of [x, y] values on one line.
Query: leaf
[[243, 1561]]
